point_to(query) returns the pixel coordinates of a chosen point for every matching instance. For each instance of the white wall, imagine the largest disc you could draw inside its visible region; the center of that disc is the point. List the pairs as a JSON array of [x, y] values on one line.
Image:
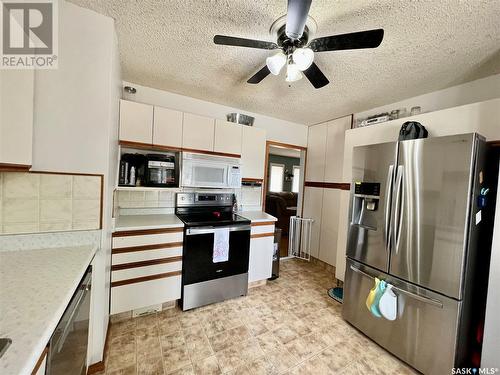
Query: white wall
[[483, 118], [471, 92], [76, 128], [491, 343], [277, 130]]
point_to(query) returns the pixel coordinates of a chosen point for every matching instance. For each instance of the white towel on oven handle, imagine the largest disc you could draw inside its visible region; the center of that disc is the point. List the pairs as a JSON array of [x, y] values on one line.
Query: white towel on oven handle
[[221, 245]]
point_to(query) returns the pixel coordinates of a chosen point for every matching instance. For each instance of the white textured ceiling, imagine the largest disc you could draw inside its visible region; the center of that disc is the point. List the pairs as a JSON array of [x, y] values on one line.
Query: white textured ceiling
[[428, 45]]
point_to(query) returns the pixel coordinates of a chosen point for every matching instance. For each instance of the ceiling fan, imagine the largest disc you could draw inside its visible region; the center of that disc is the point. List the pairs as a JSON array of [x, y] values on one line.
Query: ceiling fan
[[295, 49]]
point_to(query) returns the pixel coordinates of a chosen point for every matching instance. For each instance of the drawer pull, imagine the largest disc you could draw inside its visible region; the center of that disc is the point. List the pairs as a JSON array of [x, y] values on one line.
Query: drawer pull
[[430, 301], [145, 263], [145, 278], [120, 250]]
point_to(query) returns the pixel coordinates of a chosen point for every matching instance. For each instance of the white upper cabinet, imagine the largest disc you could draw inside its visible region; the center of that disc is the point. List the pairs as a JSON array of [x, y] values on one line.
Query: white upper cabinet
[[316, 148], [167, 127], [253, 152], [198, 132], [16, 116], [335, 148], [227, 137], [136, 122]]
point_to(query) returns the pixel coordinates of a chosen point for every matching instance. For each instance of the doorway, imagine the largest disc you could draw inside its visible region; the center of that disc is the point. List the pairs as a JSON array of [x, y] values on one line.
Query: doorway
[[283, 186]]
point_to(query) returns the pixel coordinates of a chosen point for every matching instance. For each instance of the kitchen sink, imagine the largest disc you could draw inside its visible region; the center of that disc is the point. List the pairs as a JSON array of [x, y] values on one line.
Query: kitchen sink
[[4, 344]]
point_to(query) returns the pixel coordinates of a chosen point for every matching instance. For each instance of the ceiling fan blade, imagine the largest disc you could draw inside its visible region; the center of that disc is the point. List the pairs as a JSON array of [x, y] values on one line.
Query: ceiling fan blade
[[316, 76], [260, 75], [242, 42], [361, 39], [296, 17]]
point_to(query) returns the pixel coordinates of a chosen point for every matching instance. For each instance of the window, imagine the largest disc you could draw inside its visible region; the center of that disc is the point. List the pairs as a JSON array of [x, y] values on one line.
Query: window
[[277, 174], [296, 179]]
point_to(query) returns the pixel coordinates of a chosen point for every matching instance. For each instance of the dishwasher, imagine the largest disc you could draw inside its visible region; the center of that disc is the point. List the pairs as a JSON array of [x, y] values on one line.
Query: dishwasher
[[68, 345]]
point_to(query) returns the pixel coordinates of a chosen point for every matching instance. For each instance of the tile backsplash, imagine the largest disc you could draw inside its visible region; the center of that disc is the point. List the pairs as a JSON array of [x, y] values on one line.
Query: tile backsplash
[[130, 202], [40, 202]]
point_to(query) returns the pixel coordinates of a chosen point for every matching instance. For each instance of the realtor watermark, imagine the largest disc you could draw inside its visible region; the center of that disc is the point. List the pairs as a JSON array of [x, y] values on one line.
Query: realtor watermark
[[475, 371], [29, 37]]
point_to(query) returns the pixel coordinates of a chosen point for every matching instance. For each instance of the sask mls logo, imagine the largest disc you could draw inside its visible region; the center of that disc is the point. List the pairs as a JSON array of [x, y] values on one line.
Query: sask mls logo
[[29, 34]]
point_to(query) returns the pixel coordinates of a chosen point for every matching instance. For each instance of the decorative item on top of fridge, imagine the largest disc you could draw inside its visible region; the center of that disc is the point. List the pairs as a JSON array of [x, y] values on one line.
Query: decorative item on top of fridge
[[388, 116]]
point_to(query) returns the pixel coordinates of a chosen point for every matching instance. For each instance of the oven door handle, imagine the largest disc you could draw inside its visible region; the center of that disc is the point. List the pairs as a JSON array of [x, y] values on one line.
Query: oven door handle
[[211, 229]]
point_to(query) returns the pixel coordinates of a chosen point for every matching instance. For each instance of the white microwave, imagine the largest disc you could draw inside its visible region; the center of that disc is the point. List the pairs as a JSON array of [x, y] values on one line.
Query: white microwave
[[207, 171]]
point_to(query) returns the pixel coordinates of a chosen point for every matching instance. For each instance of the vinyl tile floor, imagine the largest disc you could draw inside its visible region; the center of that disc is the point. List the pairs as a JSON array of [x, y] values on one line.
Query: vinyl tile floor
[[289, 326]]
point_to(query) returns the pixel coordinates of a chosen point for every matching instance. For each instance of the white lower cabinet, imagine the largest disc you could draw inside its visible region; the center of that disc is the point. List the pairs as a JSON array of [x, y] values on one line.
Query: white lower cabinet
[[146, 293], [313, 207], [146, 268], [261, 258]]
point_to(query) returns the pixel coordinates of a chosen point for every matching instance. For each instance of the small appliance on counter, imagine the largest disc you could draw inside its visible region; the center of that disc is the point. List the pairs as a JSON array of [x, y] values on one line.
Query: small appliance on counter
[[216, 249], [160, 170], [153, 170]]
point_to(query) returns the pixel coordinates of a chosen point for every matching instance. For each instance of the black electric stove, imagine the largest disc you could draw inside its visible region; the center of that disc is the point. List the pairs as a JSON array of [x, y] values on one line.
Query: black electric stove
[[205, 278]]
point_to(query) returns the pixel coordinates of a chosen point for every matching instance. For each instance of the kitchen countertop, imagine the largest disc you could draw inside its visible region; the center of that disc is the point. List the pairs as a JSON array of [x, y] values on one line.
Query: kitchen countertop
[[141, 222], [36, 287], [256, 216]]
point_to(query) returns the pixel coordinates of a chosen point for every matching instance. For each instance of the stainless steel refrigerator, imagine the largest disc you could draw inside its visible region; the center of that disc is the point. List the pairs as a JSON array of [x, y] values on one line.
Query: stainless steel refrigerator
[[415, 222]]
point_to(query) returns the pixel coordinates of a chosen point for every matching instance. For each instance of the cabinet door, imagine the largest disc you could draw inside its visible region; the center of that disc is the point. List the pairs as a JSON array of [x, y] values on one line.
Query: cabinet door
[[167, 127], [136, 122], [329, 226], [313, 206], [261, 258], [198, 132], [227, 137], [335, 148], [316, 148], [16, 116], [253, 152]]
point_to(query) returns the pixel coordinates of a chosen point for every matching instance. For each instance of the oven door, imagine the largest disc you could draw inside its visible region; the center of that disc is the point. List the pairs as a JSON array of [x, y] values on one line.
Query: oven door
[[198, 265]]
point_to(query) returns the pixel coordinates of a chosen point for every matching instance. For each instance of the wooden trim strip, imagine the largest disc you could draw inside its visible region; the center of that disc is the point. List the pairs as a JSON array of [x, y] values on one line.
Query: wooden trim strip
[[287, 145], [493, 143], [211, 152], [155, 147], [329, 185], [142, 232], [40, 360], [244, 179], [145, 263], [7, 167], [148, 146], [260, 223], [156, 246], [145, 278], [259, 235]]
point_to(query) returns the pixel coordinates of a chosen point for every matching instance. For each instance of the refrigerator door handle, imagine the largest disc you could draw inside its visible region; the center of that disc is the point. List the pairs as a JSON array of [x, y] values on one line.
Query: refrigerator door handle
[[398, 211], [387, 214], [418, 297]]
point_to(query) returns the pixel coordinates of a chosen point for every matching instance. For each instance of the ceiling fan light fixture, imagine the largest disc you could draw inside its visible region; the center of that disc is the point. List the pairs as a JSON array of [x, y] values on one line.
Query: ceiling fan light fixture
[[293, 73], [276, 62], [303, 58]]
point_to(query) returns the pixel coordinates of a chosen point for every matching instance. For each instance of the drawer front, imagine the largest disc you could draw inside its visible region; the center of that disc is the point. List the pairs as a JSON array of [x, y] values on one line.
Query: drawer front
[[132, 273], [147, 239], [138, 256], [133, 296], [260, 229]]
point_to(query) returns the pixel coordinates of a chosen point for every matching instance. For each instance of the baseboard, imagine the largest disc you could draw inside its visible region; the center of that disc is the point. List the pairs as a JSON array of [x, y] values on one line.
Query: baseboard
[[255, 284], [95, 368], [101, 365]]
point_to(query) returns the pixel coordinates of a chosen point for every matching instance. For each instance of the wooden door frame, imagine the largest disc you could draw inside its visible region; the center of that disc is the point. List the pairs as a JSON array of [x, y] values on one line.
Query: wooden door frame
[[266, 166]]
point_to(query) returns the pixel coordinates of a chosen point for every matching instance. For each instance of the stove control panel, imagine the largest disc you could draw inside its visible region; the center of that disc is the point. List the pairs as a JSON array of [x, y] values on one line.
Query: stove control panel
[[204, 199]]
